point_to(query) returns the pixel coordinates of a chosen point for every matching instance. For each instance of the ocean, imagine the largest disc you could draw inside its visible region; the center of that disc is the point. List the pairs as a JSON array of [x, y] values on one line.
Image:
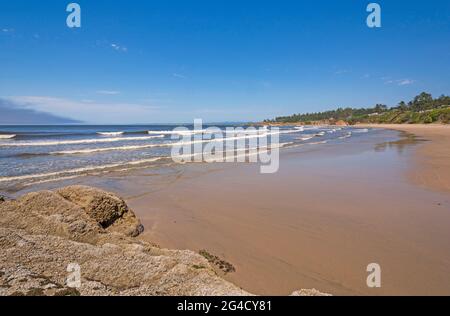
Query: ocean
[[33, 154]]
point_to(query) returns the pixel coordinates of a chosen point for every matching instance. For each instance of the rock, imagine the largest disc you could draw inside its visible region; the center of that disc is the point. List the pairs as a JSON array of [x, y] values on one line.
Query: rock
[[311, 292], [341, 123], [42, 233], [48, 213], [110, 211]]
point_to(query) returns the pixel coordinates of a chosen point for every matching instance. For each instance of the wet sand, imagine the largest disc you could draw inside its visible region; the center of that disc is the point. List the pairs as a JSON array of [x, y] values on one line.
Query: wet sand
[[317, 223], [330, 211], [432, 169]]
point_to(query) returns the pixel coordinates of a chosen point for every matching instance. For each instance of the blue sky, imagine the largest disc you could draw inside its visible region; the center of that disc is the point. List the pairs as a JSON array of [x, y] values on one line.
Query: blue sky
[[219, 60]]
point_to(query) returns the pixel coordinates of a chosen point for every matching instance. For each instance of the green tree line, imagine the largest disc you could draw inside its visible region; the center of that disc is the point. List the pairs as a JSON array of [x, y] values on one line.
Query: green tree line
[[422, 109]]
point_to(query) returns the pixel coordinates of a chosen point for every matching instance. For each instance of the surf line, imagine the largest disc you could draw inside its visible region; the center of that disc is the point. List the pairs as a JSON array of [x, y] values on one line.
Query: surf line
[[213, 151]]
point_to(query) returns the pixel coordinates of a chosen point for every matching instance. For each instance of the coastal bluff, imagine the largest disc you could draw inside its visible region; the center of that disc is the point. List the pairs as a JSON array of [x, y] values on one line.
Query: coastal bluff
[[43, 234]]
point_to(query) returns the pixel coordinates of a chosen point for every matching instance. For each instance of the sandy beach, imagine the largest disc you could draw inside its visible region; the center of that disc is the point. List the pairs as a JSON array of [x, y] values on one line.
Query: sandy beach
[[319, 221], [331, 210], [432, 168]]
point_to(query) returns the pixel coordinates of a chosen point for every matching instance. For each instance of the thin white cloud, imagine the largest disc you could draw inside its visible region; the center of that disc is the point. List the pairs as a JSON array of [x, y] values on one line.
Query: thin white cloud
[[401, 82], [89, 112], [108, 92], [5, 30], [176, 75], [406, 82], [119, 48]]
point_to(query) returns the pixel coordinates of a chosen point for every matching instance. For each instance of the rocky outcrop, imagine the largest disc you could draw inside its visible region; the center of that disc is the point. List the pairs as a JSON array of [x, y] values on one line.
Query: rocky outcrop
[[44, 233], [49, 238], [341, 123], [110, 211]]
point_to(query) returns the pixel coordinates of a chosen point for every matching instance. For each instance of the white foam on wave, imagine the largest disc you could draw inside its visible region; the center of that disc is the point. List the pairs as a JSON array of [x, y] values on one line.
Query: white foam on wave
[[79, 142], [27, 184], [98, 150], [7, 136], [208, 131], [309, 128], [306, 137], [319, 143], [361, 130], [137, 147], [110, 133], [348, 135], [77, 170], [73, 173], [177, 132], [253, 151]]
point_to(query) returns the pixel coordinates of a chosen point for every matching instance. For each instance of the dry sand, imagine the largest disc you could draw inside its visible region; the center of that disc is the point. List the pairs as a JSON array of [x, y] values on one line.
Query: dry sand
[[320, 220]]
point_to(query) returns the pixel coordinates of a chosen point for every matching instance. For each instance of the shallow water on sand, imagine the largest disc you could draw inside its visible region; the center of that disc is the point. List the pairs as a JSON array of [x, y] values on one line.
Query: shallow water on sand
[[317, 223], [35, 154]]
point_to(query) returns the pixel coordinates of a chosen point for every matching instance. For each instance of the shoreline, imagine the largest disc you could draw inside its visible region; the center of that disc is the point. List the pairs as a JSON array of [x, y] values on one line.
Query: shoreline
[[432, 161], [317, 223]]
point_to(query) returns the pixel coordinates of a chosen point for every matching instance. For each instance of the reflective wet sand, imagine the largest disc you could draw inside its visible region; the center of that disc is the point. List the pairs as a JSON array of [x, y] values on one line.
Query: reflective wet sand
[[317, 223]]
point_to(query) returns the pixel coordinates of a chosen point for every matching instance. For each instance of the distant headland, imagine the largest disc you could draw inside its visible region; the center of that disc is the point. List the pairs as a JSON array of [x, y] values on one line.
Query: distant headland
[[423, 109]]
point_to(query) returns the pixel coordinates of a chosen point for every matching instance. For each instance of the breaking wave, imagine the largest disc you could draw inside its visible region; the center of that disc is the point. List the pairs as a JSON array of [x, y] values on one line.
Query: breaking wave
[[78, 142], [110, 133], [78, 170], [7, 136]]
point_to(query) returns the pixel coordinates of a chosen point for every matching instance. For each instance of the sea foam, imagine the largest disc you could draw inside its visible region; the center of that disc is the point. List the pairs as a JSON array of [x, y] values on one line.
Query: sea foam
[[137, 147], [110, 133], [78, 142], [7, 136], [77, 170]]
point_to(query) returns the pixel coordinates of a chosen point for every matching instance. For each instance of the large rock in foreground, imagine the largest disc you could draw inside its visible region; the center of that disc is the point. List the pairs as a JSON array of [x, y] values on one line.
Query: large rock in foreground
[[108, 210], [44, 233]]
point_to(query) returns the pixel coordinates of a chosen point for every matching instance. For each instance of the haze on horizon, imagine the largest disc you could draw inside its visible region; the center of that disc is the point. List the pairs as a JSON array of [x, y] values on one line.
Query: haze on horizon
[[173, 61]]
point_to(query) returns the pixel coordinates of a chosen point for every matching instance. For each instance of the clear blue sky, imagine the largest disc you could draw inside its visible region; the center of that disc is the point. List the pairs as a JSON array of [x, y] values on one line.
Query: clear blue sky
[[220, 60]]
